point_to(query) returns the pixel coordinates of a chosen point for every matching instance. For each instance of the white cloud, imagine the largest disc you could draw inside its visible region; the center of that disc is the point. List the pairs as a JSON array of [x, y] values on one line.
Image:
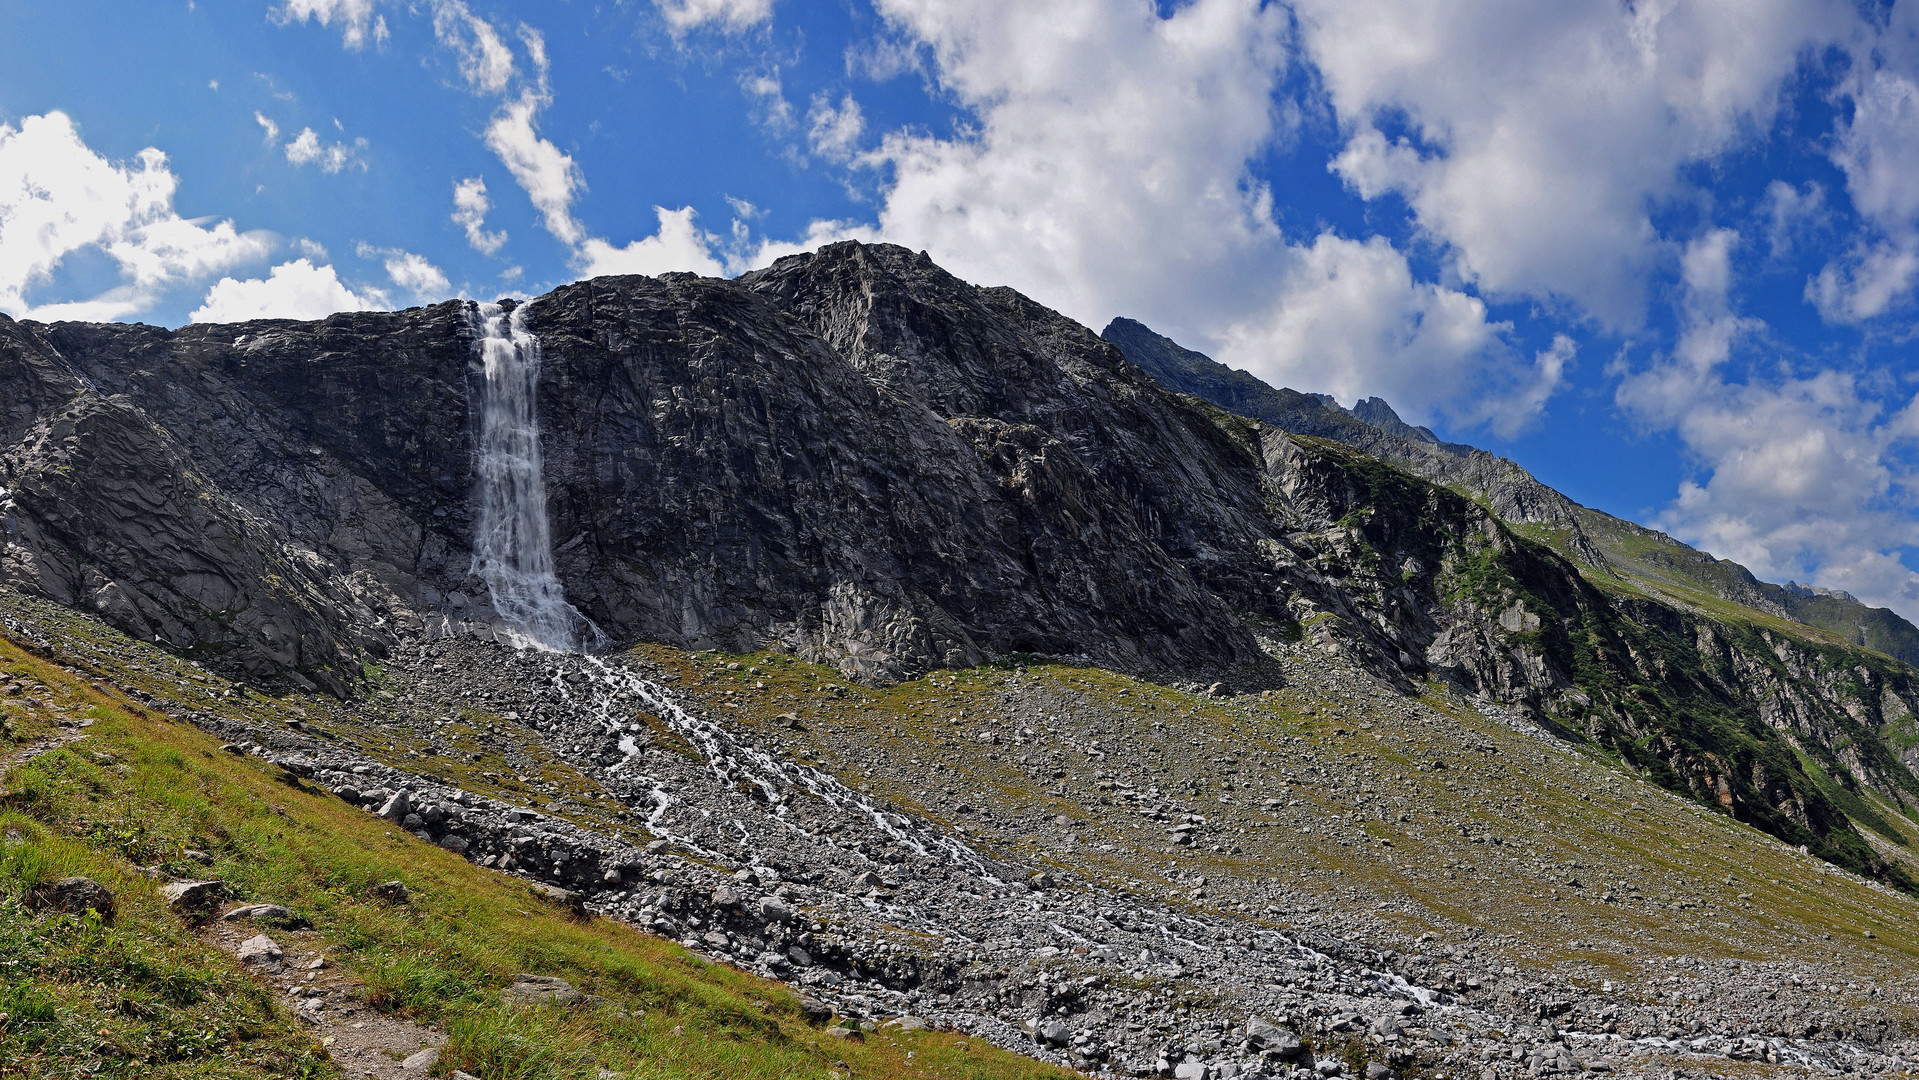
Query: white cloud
[[1535, 139], [425, 282], [1878, 150], [470, 205], [58, 197], [1349, 320], [1866, 281], [306, 148], [770, 107], [546, 173], [267, 126], [834, 131], [1804, 477], [678, 245], [358, 23], [729, 15], [294, 290], [1105, 167], [486, 62]]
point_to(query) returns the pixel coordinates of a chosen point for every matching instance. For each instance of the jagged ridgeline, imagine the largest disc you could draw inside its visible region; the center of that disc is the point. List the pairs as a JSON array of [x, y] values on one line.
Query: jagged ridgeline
[[861, 460]]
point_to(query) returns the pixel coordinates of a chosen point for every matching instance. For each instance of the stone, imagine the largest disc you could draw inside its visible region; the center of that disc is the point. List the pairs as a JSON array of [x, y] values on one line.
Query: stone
[[774, 910], [262, 953], [421, 1061], [1264, 1034], [192, 898], [454, 842], [910, 1022], [396, 809], [72, 896], [200, 857], [838, 1031], [1054, 1033], [813, 1010], [574, 902], [1386, 1026], [1378, 1071], [541, 990], [799, 956], [725, 897], [261, 913], [1191, 1070], [393, 892]]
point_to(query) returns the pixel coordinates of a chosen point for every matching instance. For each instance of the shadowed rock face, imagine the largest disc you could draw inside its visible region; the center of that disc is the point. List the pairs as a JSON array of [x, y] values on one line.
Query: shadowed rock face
[[851, 455]]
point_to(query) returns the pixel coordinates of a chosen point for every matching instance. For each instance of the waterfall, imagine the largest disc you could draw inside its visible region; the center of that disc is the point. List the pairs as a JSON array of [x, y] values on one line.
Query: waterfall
[[513, 549]]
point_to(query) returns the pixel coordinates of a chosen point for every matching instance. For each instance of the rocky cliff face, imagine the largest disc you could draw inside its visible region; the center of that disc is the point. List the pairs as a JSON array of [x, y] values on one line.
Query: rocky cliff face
[[859, 459]]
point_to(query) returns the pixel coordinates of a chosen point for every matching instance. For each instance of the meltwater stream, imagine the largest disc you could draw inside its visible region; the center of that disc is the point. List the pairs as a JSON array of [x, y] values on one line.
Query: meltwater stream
[[513, 548]]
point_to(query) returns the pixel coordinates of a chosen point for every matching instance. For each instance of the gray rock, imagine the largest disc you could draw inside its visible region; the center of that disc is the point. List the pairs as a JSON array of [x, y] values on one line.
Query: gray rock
[[1054, 1033], [393, 892], [422, 1060], [73, 896], [259, 912], [1274, 1038], [262, 953], [454, 842], [813, 1010], [774, 910], [541, 990], [398, 807], [192, 897], [574, 902]]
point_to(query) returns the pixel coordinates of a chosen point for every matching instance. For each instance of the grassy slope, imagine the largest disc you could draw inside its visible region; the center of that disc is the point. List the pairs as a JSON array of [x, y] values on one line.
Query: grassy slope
[[1486, 854], [144, 997]]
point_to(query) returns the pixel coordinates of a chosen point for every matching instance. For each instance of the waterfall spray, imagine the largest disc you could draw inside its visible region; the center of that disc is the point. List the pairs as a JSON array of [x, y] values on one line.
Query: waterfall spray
[[513, 549]]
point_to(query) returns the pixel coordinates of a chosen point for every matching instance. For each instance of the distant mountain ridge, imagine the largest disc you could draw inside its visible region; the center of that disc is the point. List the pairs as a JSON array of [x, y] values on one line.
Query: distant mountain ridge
[[1609, 546]]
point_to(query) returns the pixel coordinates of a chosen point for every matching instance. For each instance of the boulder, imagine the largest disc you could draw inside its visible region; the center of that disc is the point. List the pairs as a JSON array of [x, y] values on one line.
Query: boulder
[[541, 990], [393, 892], [263, 954], [72, 895], [192, 898], [574, 902], [261, 913]]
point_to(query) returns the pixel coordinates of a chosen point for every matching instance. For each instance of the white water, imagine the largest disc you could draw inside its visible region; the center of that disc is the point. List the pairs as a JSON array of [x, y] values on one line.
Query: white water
[[513, 548]]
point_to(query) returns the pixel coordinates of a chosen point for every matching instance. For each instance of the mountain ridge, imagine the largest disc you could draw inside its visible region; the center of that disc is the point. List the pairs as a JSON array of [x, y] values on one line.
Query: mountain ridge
[[1589, 536]]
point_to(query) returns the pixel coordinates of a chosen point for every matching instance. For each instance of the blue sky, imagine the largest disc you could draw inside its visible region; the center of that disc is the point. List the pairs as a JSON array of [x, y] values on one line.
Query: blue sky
[[1664, 253]]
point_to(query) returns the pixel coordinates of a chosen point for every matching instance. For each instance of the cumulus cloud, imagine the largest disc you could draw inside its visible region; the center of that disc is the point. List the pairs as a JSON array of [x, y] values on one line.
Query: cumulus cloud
[[409, 271], [1801, 475], [729, 15], [678, 245], [307, 149], [546, 173], [1535, 140], [1105, 167], [294, 290], [834, 131], [58, 197], [470, 206], [1348, 319], [357, 21]]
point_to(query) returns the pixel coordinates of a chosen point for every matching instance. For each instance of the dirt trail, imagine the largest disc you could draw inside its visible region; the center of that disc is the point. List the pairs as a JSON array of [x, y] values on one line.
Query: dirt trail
[[364, 1043], [23, 754]]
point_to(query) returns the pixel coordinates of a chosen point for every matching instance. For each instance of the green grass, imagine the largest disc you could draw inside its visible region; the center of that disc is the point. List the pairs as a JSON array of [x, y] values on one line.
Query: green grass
[[142, 996]]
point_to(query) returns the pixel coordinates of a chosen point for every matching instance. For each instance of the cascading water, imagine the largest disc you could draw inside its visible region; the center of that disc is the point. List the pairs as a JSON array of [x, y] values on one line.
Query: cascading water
[[513, 549]]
